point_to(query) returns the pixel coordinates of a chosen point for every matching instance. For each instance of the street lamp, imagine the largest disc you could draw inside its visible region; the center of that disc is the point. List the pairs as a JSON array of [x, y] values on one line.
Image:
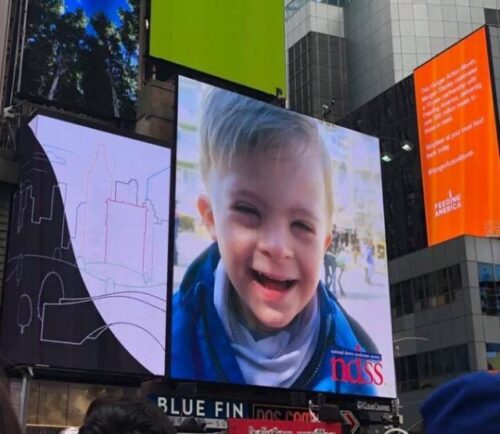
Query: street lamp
[[399, 430], [404, 144], [410, 338], [407, 338], [386, 157], [407, 146]]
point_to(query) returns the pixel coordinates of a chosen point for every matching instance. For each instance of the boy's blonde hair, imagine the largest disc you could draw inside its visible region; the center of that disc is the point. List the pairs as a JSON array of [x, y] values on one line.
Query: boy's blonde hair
[[233, 125]]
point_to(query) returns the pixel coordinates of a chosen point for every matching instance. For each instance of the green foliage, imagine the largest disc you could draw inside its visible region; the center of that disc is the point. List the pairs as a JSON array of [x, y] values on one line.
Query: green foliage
[[186, 223], [93, 72]]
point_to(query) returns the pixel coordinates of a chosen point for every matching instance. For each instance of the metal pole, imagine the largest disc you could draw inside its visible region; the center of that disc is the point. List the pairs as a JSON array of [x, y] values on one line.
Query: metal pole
[[27, 373], [21, 52], [143, 44], [399, 430], [410, 338]]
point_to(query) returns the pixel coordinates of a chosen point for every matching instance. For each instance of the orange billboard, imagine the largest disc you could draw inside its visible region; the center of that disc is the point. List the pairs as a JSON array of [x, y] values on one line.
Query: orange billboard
[[458, 141]]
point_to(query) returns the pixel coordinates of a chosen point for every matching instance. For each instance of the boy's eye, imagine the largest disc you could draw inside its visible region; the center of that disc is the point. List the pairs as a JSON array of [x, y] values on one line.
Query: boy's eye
[[305, 226], [246, 209]]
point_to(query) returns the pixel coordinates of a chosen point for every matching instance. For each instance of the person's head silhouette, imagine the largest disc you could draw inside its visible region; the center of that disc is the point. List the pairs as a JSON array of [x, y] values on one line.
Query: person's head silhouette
[[125, 416], [467, 404]]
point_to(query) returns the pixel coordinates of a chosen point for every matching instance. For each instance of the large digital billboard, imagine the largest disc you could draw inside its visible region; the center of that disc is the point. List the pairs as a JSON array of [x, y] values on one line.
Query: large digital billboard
[[86, 272], [280, 268], [82, 55], [457, 125], [242, 42]]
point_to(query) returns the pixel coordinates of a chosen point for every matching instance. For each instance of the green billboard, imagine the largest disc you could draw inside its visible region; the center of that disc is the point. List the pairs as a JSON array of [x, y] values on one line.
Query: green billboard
[[241, 41]]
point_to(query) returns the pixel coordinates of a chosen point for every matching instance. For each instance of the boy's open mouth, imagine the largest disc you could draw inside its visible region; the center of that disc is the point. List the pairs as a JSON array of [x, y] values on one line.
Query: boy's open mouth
[[274, 284]]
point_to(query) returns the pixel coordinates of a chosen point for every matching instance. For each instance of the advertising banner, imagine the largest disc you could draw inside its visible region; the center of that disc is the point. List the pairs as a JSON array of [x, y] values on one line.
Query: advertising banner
[[280, 269], [242, 42], [254, 426], [459, 150], [82, 55], [214, 413], [85, 284]]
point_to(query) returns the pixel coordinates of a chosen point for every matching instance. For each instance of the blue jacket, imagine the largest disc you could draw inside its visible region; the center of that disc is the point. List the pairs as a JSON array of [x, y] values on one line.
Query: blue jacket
[[201, 349]]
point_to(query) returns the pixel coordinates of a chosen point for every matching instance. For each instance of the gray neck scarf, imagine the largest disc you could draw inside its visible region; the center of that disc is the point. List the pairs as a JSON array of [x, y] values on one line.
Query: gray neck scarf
[[275, 359]]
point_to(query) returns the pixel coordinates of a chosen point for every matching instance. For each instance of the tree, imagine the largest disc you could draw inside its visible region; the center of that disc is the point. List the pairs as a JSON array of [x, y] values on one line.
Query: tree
[[129, 34], [39, 44], [91, 68], [69, 34]]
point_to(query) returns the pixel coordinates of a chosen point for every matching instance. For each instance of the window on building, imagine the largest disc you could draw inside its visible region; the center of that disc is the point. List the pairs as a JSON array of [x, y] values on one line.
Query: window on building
[[398, 302], [410, 199], [487, 289], [60, 404], [412, 370], [442, 287], [497, 285], [409, 221], [430, 290], [462, 358], [408, 179], [402, 373], [455, 280], [448, 361], [424, 369], [420, 296], [436, 363], [492, 17], [407, 296], [493, 356], [418, 371]]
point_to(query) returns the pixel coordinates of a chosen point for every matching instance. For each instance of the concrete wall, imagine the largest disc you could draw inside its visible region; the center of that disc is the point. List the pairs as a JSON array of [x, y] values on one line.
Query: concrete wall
[[388, 39]]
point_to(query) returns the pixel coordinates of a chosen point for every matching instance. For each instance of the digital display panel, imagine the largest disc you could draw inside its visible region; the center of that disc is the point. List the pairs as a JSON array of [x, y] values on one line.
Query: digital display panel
[[242, 42], [85, 284], [457, 127], [280, 268], [82, 55]]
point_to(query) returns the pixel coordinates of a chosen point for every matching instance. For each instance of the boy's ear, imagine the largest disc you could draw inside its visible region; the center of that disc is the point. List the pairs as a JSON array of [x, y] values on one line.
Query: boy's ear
[[328, 241], [207, 214]]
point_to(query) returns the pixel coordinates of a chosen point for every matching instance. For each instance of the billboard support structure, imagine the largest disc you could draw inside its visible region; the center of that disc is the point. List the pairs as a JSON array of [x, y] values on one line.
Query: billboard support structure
[[21, 47], [27, 373]]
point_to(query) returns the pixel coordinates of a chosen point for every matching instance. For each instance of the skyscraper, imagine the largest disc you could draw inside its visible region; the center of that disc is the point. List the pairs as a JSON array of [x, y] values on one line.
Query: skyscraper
[[444, 298]]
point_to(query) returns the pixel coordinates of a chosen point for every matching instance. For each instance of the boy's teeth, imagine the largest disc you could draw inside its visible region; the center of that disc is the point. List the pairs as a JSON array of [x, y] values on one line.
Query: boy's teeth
[[270, 283]]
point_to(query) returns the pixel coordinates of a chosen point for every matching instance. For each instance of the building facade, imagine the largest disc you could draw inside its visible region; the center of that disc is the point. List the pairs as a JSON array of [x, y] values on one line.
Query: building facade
[[316, 56], [445, 298], [371, 45], [351, 61], [446, 316]]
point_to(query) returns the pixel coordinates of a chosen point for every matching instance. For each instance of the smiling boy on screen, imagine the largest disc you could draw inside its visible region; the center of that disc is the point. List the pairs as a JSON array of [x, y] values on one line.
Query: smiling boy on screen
[[251, 309]]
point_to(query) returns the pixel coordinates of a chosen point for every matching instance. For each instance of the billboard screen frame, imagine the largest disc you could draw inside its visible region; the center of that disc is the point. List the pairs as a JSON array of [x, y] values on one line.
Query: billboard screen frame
[[494, 103], [55, 372], [168, 69], [344, 397]]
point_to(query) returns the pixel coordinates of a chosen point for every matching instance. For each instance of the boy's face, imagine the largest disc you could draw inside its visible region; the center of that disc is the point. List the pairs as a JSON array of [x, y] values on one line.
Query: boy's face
[[268, 215]]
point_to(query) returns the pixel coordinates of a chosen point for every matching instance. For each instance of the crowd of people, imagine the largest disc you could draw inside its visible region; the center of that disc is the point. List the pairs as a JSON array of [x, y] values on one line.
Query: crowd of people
[[104, 416], [347, 249]]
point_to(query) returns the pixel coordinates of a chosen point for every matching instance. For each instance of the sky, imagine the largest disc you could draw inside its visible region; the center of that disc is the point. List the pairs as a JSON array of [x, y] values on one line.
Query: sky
[[109, 7]]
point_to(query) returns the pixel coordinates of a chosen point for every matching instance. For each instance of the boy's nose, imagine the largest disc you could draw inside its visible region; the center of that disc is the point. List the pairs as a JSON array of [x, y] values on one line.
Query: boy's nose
[[275, 243]]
